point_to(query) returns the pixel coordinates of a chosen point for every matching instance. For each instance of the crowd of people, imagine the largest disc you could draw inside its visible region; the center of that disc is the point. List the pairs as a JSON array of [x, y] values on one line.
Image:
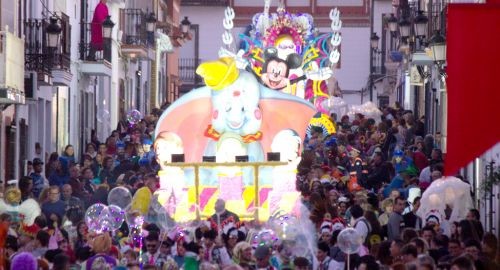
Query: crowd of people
[[369, 175]]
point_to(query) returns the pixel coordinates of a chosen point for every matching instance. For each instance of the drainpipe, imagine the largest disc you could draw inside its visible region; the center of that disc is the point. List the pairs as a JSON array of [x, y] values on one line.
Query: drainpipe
[[17, 146], [370, 78]]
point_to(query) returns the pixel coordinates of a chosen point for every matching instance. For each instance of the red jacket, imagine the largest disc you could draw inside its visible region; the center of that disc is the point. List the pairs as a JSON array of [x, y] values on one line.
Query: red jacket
[[100, 14]]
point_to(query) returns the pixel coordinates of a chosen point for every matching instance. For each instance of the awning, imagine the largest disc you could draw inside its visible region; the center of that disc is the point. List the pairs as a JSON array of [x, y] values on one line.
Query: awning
[[421, 59], [163, 43]]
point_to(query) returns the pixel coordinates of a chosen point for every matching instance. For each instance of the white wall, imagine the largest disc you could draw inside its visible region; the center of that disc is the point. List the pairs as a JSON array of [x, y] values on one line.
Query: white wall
[[355, 61], [381, 7], [8, 14], [209, 20]]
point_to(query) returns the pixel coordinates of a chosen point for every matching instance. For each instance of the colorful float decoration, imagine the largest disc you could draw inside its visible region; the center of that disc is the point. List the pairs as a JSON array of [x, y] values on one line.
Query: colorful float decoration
[[233, 116], [288, 53], [252, 107], [322, 121]]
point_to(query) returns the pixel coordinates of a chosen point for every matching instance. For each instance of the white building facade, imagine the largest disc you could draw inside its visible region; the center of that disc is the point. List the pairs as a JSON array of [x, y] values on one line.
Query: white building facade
[[68, 98]]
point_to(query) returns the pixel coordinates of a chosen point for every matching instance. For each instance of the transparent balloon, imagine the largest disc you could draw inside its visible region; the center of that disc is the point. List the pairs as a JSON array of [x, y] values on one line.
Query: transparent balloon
[[349, 240], [115, 215], [134, 116], [134, 218], [103, 116], [159, 200], [165, 222], [264, 238], [104, 225], [284, 225], [120, 197], [92, 216]]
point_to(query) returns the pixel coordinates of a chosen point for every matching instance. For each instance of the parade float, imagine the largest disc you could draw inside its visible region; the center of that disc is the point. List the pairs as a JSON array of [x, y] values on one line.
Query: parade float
[[239, 138]]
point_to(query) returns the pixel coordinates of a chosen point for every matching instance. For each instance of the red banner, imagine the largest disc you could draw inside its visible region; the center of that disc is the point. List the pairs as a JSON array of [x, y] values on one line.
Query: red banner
[[473, 83]]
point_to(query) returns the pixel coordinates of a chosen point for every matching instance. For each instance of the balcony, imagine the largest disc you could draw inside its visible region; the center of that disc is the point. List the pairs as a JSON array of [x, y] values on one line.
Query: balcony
[[136, 41], [52, 66], [187, 74], [92, 65], [222, 3]]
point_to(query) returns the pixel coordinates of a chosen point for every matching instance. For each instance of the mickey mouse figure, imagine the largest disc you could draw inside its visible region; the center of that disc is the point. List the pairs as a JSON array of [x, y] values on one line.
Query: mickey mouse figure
[[275, 70]]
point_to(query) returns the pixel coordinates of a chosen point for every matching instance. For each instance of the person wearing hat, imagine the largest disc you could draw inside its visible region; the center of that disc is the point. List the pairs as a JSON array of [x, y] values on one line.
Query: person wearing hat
[[399, 181], [262, 256], [148, 154], [357, 170], [401, 161], [38, 179]]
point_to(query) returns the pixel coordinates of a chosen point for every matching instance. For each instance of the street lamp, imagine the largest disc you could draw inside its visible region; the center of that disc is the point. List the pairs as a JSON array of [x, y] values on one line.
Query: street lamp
[[404, 27], [185, 25], [107, 29], [438, 47], [151, 22], [53, 32], [393, 23], [421, 24], [374, 41], [150, 28]]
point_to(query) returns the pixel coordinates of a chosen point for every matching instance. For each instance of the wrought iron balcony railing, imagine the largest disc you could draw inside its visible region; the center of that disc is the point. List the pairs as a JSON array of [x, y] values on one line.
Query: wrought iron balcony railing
[[133, 24], [187, 71], [39, 57], [85, 47]]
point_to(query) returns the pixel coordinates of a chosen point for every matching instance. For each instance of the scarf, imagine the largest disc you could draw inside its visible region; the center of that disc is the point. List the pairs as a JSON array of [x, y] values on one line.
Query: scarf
[[213, 134]]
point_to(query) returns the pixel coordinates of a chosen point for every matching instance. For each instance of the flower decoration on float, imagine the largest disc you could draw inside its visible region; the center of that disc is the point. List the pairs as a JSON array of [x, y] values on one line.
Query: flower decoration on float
[[294, 27]]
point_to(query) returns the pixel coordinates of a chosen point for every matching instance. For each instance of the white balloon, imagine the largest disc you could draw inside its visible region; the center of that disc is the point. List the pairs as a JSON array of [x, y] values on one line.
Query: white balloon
[[349, 240]]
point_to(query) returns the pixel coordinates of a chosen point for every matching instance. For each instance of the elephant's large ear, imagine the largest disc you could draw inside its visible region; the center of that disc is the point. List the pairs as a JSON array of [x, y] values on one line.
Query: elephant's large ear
[[283, 111], [189, 117]]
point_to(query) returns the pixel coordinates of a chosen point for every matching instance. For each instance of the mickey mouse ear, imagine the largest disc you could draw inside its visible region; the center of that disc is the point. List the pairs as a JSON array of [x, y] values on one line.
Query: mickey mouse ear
[[294, 61], [270, 52]]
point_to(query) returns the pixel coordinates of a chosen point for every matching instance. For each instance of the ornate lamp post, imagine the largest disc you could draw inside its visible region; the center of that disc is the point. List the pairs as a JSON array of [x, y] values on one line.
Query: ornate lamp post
[[107, 30], [53, 31]]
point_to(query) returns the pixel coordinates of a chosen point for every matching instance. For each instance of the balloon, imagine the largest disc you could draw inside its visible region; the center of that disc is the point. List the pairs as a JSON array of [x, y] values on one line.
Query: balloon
[[134, 218], [264, 237], [134, 116], [115, 216], [103, 115], [104, 225], [92, 216], [349, 240], [120, 197], [160, 200], [165, 222]]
